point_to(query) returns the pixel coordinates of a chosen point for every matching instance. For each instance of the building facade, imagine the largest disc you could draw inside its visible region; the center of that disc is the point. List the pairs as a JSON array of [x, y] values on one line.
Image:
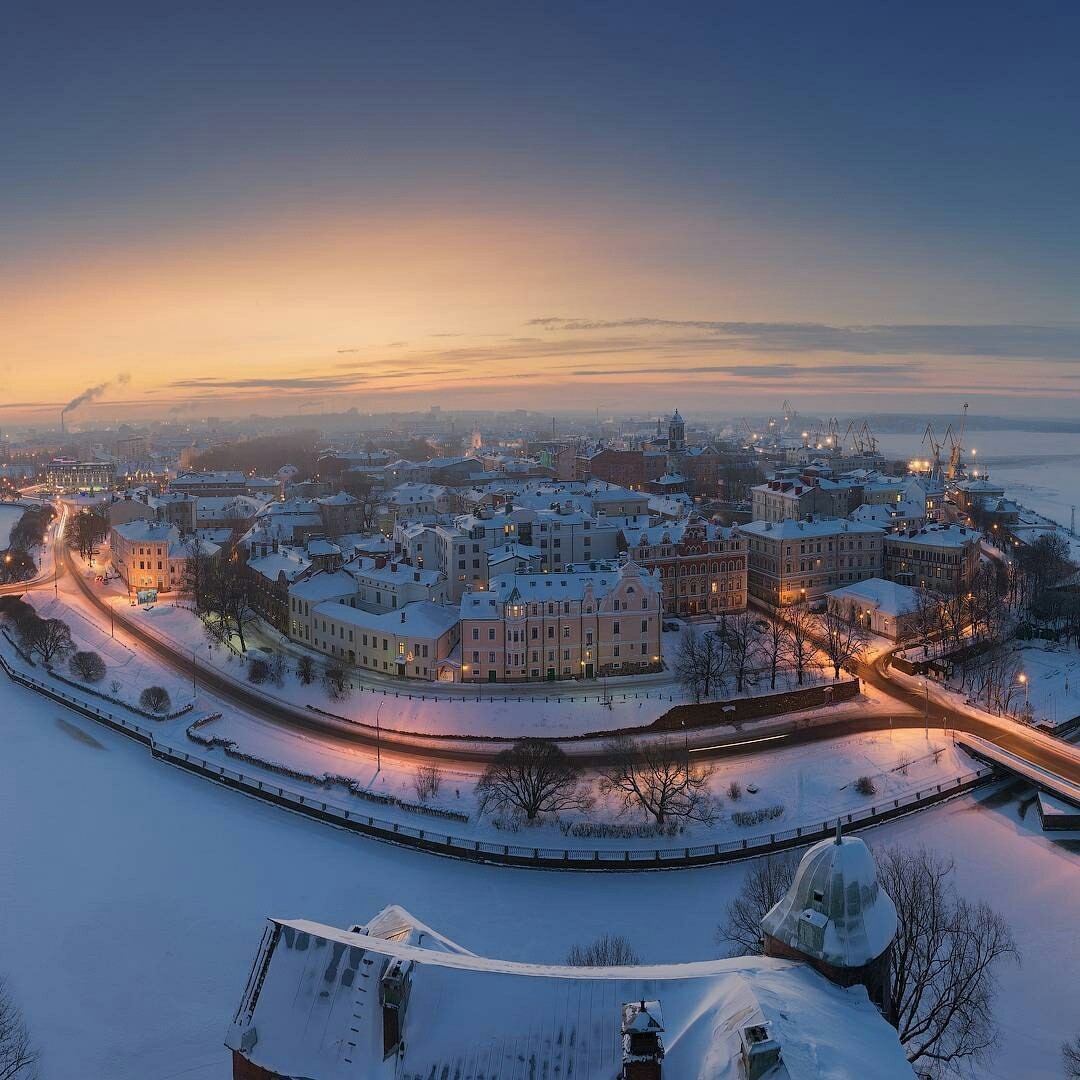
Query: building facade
[[151, 555], [702, 567], [570, 625], [794, 562], [940, 557]]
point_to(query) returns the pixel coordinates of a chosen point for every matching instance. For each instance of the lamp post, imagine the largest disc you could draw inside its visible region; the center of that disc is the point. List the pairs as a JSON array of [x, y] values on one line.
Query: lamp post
[[926, 708], [378, 740], [1024, 684]]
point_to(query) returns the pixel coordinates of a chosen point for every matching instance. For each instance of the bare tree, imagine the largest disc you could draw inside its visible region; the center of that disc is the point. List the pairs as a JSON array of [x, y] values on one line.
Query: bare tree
[[700, 663], [843, 641], [1070, 1058], [305, 669], [608, 950], [155, 699], [87, 666], [426, 781], [802, 652], [775, 646], [49, 638], [657, 777], [945, 960], [767, 880], [534, 777], [335, 681], [85, 531], [17, 1053], [743, 644]]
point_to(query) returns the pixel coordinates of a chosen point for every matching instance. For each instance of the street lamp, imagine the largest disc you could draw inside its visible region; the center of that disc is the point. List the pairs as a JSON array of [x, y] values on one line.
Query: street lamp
[[1024, 684], [378, 739], [926, 708]]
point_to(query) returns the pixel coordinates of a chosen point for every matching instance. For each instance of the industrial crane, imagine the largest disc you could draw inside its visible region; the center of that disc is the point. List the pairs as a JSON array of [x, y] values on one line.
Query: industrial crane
[[956, 443]]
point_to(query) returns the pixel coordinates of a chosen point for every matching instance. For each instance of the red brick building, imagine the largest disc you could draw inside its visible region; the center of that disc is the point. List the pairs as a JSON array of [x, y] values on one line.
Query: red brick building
[[702, 566]]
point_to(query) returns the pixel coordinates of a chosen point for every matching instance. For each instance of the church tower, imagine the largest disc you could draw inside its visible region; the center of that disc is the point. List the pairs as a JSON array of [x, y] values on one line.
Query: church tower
[[676, 443], [837, 918]]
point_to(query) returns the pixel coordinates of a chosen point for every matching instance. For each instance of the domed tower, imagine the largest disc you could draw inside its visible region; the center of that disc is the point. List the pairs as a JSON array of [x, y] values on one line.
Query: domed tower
[[676, 433], [837, 918]]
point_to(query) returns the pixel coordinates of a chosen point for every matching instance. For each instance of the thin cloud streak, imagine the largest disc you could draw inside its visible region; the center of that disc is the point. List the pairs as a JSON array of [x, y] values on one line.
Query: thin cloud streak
[[1005, 340]]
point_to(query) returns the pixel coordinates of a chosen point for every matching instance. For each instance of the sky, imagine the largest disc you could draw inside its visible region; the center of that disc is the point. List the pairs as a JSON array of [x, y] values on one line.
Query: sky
[[226, 209]]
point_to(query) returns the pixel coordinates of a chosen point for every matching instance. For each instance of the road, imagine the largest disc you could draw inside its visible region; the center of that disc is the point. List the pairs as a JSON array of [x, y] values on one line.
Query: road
[[905, 710], [50, 576]]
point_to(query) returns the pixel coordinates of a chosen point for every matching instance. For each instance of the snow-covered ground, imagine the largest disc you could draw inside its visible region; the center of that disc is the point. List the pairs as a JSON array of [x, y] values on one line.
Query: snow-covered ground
[[133, 897], [1051, 683], [9, 518], [490, 709], [803, 785]]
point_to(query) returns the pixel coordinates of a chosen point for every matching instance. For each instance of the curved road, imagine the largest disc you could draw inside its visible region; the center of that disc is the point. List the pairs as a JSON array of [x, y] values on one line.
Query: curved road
[[1035, 747]]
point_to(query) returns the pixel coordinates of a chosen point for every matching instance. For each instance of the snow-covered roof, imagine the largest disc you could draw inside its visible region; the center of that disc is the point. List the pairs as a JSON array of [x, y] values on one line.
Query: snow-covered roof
[[672, 532], [888, 597], [288, 561], [936, 536], [835, 910], [324, 585], [313, 1009], [421, 618], [796, 530]]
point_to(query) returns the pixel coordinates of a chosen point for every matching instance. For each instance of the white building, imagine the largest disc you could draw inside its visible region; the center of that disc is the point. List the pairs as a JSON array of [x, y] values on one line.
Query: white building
[[883, 607], [410, 643]]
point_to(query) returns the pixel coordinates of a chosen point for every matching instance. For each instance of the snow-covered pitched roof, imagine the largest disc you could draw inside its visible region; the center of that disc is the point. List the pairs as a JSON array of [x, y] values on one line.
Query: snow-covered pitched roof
[[421, 618], [835, 910], [288, 561], [315, 1011], [889, 597], [795, 530]]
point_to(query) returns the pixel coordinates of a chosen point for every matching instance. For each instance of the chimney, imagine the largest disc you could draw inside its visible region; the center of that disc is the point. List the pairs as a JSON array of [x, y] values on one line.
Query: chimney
[[403, 616], [394, 989], [760, 1052], [642, 1047]]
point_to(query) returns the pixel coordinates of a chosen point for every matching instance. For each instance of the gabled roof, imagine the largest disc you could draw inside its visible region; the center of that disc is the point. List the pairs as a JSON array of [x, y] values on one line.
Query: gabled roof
[[313, 1009]]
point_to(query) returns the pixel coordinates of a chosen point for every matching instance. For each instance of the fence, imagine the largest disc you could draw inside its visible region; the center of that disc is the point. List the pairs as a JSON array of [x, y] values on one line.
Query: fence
[[549, 858]]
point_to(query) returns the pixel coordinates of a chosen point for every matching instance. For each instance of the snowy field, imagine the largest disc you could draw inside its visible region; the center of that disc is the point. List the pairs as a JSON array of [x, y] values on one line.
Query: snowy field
[[1039, 469], [133, 897], [9, 518]]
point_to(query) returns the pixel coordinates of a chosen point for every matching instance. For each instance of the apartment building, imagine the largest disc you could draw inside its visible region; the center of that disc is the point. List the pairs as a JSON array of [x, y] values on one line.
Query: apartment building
[[568, 625], [702, 567], [797, 499], [151, 555], [937, 556], [414, 642], [792, 562]]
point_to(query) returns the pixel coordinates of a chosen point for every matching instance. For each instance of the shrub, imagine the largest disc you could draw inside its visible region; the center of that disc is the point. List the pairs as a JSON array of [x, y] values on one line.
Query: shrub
[[734, 791], [426, 781], [258, 670], [114, 686], [865, 786], [87, 666], [335, 681], [305, 670], [155, 699], [745, 818], [903, 766]]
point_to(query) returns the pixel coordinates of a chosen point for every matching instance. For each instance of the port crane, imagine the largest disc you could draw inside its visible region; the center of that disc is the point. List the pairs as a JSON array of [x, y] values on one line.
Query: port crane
[[956, 446]]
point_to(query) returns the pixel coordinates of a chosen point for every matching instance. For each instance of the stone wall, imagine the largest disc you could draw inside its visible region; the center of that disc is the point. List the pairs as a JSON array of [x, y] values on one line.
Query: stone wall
[[739, 710]]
